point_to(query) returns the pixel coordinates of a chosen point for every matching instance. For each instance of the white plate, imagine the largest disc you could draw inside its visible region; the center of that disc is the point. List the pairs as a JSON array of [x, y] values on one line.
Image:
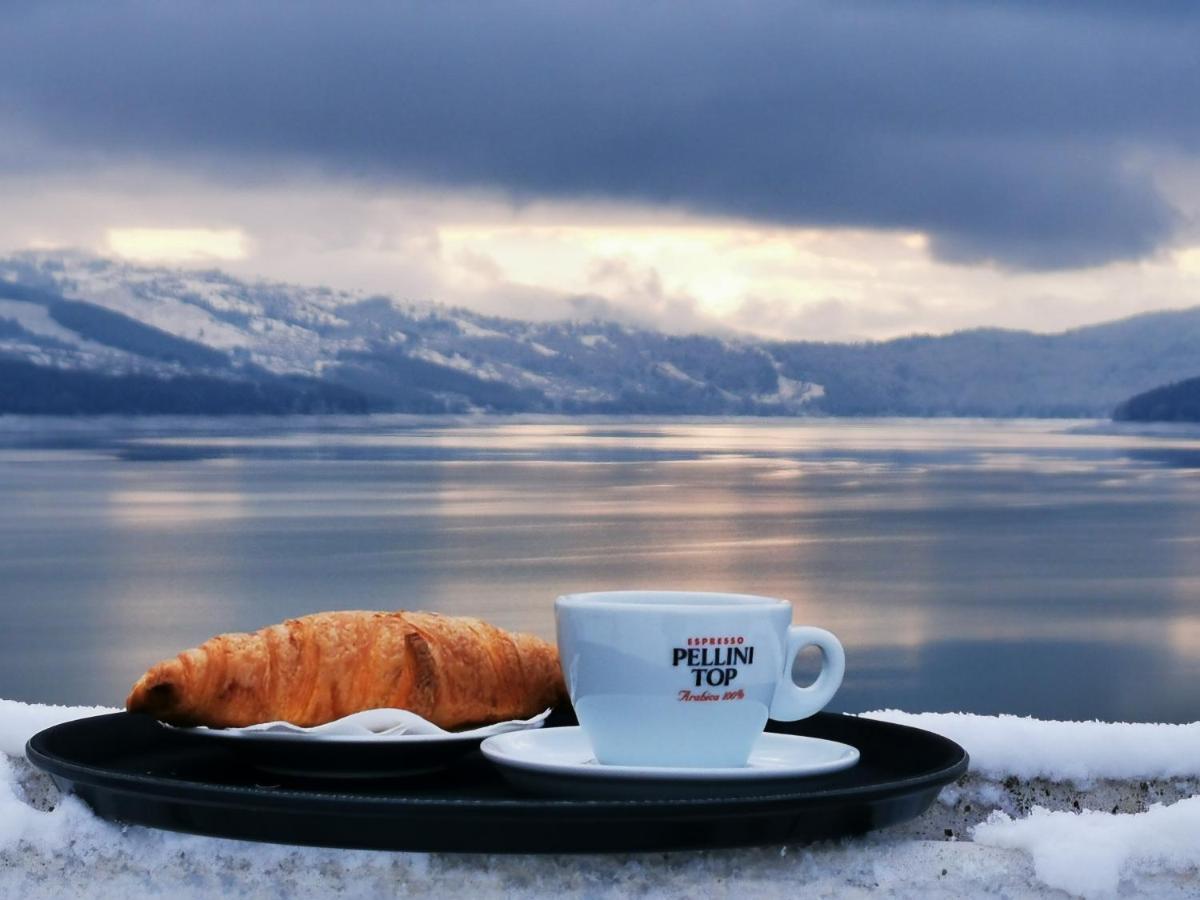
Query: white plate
[[376, 743], [566, 753], [375, 726]]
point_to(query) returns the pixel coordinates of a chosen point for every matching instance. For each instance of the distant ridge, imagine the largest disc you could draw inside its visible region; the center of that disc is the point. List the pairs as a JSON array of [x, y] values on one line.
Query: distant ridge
[[43, 390], [1179, 402], [994, 372], [214, 343]]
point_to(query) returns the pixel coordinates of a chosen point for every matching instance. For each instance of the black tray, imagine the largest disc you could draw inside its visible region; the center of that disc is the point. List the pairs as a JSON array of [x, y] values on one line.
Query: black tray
[[130, 769]]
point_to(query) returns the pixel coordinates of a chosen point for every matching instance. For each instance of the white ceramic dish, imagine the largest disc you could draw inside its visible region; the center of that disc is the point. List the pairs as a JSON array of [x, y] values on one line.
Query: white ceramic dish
[[377, 743], [373, 726], [562, 759]]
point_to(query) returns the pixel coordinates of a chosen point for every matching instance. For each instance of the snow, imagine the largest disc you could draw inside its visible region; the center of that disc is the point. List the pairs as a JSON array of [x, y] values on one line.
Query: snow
[[467, 328], [36, 320], [798, 391], [985, 836], [21, 721], [1086, 853], [168, 314], [673, 371], [487, 371], [793, 392], [1079, 752], [455, 361]]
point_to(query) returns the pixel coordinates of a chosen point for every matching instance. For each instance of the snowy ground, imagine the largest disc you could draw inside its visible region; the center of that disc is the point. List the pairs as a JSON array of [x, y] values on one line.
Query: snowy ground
[[1049, 809]]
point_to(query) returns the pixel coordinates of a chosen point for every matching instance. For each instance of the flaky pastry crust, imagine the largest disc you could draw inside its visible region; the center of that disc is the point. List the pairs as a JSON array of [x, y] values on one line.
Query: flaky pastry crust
[[454, 671]]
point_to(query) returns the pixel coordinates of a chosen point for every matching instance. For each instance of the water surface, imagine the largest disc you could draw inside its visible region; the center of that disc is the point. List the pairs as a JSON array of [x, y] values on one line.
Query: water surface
[[1025, 567]]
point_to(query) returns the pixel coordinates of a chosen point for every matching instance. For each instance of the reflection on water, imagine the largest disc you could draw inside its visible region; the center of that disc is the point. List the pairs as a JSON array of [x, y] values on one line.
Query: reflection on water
[[1027, 567]]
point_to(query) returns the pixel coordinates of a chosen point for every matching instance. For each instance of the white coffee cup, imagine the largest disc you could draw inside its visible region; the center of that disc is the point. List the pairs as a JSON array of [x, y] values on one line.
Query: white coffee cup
[[686, 679]]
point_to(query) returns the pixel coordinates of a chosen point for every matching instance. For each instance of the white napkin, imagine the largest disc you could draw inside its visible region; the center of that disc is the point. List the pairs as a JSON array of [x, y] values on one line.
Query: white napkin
[[382, 723]]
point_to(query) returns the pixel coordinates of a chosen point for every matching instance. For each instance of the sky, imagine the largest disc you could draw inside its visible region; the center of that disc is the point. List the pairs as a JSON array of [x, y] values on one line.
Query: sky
[[797, 170]]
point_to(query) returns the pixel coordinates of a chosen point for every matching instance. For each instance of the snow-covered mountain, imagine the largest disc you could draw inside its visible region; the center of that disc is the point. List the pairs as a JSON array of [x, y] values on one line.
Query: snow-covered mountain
[[82, 334], [78, 313]]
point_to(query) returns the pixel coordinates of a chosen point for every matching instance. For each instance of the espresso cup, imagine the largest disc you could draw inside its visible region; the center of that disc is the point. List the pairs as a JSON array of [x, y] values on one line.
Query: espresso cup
[[684, 679]]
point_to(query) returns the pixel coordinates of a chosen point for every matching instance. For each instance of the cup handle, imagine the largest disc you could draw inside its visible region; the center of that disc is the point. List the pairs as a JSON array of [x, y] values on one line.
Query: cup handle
[[792, 702]]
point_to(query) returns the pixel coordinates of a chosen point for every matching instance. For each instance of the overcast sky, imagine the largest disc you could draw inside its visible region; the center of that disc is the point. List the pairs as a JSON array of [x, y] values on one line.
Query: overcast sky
[[808, 170]]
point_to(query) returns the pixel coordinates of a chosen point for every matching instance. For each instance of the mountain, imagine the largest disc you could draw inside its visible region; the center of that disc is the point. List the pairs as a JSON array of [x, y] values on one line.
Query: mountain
[[82, 334], [1179, 402], [318, 348], [993, 372]]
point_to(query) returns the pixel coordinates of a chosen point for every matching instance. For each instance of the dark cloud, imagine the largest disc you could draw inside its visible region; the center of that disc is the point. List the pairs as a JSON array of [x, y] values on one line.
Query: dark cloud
[[1009, 132]]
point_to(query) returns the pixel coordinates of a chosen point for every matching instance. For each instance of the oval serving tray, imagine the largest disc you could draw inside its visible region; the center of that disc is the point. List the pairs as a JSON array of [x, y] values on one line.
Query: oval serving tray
[[130, 769]]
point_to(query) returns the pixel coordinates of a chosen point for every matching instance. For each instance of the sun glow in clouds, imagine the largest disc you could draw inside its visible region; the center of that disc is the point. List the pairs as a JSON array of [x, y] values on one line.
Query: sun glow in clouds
[[720, 266], [657, 268], [177, 244]]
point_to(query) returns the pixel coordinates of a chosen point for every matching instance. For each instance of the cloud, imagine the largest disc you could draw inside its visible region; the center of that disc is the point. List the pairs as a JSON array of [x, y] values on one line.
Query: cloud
[[1018, 134], [177, 244], [830, 319]]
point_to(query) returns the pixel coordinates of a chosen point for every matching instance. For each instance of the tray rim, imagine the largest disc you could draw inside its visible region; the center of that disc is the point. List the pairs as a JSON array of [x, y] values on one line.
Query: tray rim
[[159, 787]]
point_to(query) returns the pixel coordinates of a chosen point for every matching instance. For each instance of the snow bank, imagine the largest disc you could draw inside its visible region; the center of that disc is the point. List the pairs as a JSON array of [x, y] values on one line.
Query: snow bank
[[52, 846], [21, 721], [1003, 746], [1096, 852], [1087, 853]]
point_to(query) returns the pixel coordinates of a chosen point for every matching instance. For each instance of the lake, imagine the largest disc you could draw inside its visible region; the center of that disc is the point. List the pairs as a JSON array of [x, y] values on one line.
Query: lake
[[1046, 568]]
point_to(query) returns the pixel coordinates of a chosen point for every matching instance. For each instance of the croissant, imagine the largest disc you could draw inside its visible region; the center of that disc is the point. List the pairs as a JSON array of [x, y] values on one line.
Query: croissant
[[453, 671]]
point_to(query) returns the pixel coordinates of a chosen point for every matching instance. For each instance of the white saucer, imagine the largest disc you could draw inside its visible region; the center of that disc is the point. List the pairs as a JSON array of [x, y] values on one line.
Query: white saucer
[[562, 756]]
